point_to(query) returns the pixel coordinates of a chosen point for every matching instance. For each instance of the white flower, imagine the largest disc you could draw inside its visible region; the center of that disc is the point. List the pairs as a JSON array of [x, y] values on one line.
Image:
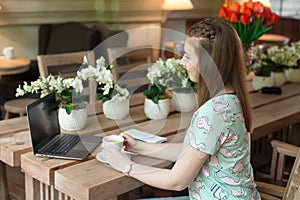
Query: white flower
[[100, 62], [98, 73], [286, 55], [20, 92], [167, 73], [106, 89], [77, 85], [67, 83], [120, 93], [85, 60]]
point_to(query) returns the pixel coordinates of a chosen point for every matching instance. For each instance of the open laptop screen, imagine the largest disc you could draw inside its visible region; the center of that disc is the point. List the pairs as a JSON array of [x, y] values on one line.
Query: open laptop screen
[[43, 121]]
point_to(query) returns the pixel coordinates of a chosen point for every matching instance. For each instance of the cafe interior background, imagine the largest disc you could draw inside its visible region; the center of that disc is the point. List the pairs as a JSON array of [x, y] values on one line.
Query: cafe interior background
[[20, 19]]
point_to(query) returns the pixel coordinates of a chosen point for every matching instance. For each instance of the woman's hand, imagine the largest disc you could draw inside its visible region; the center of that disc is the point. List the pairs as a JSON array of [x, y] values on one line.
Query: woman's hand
[[130, 144], [116, 158]]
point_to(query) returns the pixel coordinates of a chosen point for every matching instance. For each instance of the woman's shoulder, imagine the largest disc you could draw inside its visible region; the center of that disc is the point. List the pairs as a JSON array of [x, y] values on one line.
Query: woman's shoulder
[[220, 103]]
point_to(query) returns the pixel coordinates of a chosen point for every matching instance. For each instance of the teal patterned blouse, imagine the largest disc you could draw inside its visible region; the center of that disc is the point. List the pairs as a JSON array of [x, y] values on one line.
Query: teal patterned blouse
[[218, 129]]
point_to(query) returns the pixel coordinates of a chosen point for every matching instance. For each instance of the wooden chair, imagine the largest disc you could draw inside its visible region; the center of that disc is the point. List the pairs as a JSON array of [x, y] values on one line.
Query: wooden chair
[[16, 106], [273, 191], [65, 63], [130, 65]]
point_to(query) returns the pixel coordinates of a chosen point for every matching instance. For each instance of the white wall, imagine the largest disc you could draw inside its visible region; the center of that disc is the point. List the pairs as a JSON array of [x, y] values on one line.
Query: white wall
[[22, 38]]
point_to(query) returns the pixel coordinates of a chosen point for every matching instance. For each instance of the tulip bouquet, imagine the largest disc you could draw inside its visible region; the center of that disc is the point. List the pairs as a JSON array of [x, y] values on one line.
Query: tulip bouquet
[[250, 20]]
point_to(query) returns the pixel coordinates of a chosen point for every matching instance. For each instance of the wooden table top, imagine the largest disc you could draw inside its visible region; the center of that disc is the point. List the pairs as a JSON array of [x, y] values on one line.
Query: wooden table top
[[273, 39], [271, 113], [13, 66]]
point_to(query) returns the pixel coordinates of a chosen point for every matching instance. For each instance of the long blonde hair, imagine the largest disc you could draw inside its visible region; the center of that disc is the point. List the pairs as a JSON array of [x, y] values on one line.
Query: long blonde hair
[[221, 42]]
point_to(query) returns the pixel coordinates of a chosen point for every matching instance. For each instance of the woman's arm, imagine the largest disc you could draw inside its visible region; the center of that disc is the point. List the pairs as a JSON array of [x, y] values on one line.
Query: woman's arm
[[166, 151], [179, 177]]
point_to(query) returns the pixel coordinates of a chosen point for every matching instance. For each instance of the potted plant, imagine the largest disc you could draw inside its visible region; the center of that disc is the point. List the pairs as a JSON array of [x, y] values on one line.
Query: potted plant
[[116, 102], [183, 89], [72, 106], [98, 76], [156, 104], [280, 58], [292, 72], [261, 68], [72, 112], [114, 96]]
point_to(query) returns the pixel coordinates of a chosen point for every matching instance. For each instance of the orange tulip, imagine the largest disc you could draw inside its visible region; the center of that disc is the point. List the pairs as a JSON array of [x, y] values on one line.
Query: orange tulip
[[266, 13], [242, 8], [233, 17], [248, 12], [274, 17], [235, 7], [249, 4], [258, 8], [223, 12], [245, 18], [226, 4]]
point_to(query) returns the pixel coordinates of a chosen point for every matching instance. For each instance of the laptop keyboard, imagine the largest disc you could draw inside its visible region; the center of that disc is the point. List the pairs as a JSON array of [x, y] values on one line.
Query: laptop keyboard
[[61, 145]]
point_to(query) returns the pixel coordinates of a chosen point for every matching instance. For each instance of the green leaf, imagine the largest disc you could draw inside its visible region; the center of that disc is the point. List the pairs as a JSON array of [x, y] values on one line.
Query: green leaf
[[105, 99], [155, 99], [68, 109], [99, 96], [81, 105]]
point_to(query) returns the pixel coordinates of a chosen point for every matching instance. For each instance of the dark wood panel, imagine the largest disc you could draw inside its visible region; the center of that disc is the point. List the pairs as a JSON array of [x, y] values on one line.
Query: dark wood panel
[[289, 27]]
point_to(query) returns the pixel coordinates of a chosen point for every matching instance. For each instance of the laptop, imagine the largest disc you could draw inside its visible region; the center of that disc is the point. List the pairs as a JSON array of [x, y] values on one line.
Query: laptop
[[47, 141]]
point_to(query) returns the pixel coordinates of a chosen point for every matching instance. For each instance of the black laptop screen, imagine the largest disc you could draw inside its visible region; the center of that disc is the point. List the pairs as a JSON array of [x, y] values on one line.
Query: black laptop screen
[[43, 120]]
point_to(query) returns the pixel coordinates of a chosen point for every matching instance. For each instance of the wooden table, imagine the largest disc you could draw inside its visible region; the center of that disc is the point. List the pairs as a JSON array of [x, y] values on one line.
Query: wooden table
[[273, 39], [13, 66], [10, 67], [57, 178]]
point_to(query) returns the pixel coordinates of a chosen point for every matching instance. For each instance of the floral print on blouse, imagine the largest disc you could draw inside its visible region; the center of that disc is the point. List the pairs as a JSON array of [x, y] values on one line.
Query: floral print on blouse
[[218, 129]]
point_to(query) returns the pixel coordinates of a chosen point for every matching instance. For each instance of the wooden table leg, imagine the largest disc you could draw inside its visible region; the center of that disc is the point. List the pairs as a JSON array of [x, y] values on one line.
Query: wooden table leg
[[3, 182], [32, 188]]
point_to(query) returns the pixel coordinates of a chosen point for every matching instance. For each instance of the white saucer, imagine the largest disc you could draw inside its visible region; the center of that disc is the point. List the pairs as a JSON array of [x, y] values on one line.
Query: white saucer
[[101, 158]]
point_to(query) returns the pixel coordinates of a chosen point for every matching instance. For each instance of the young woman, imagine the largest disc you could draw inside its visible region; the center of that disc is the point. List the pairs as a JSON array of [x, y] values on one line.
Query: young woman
[[214, 159]]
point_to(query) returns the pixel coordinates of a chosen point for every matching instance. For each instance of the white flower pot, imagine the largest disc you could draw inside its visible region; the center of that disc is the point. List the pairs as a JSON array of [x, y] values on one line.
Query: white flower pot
[[116, 109], [74, 121], [259, 82], [278, 78], [184, 102], [292, 75], [157, 111]]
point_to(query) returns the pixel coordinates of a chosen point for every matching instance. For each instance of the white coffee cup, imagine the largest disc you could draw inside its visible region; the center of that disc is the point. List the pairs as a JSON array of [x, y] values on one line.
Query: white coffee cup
[[114, 140], [8, 52]]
